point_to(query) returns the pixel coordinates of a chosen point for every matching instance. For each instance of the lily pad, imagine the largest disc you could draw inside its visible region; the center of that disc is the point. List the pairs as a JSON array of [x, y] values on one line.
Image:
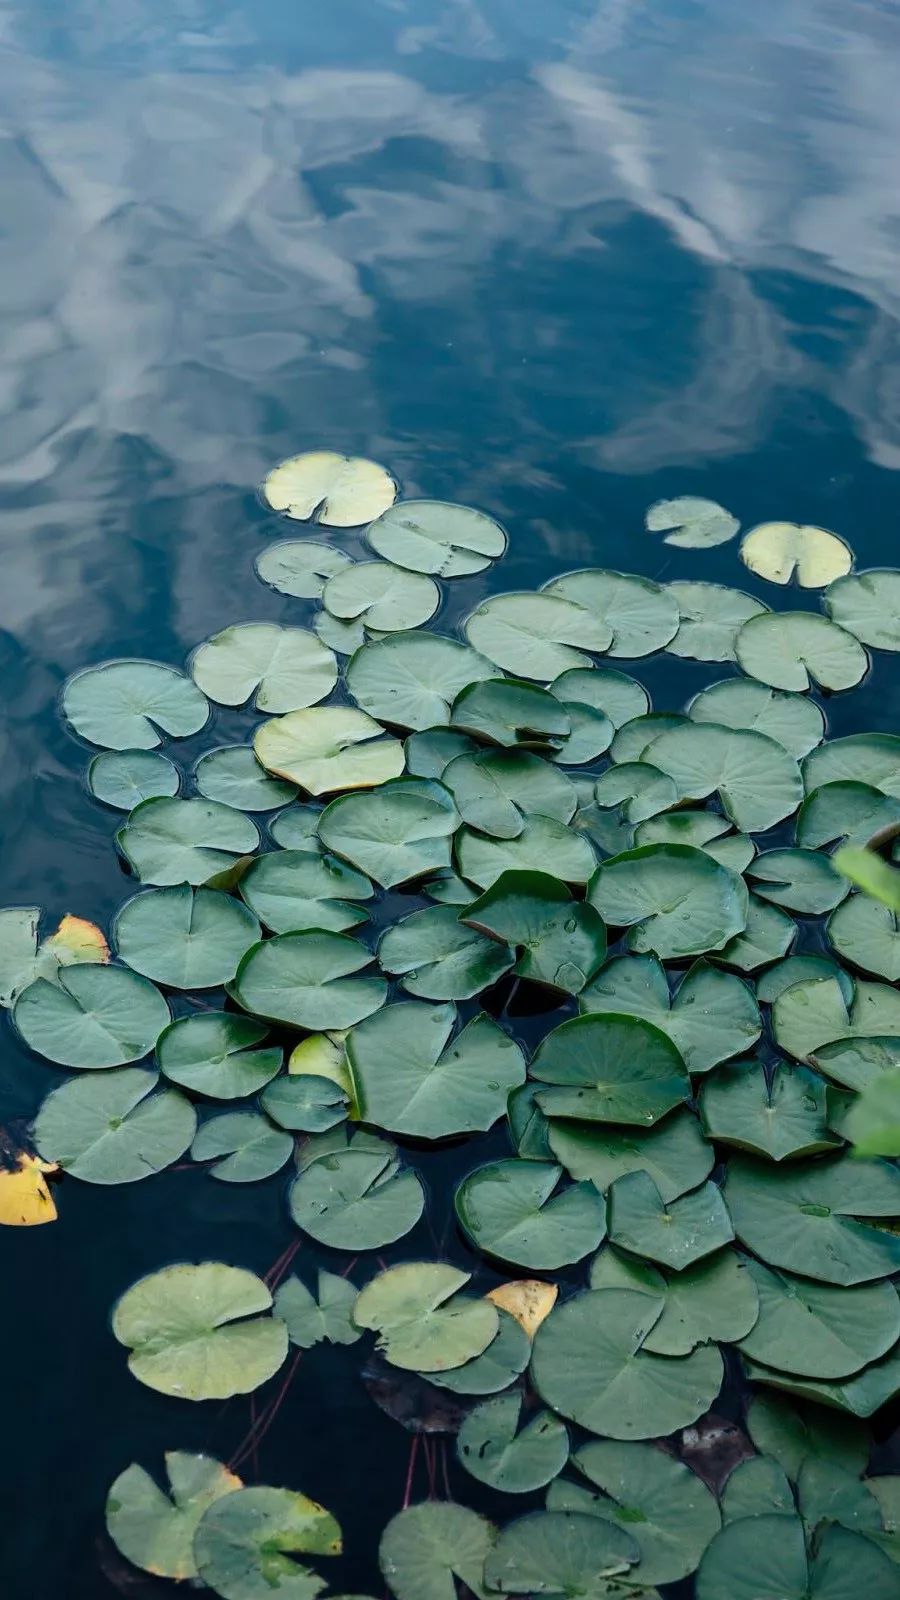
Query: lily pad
[[815, 1013], [23, 958], [844, 810], [200, 1332], [410, 680], [245, 1542], [357, 1198], [245, 1146], [764, 1558], [866, 758], [338, 491], [795, 649], [781, 551], [791, 720], [423, 1322], [639, 789], [536, 635], [185, 938], [713, 1014], [705, 830], [711, 616], [233, 776], [800, 969], [608, 1067], [675, 900], [123, 778], [817, 1329], [619, 697], [819, 1218], [491, 1447], [437, 536], [284, 668], [544, 845], [674, 1152], [167, 842], [328, 748], [323, 1316], [768, 935], [507, 1355], [512, 713], [757, 1488], [495, 789], [304, 1103], [861, 1395], [292, 890], [155, 1530], [634, 737], [867, 935], [399, 833], [562, 940], [780, 1113], [560, 1552], [675, 1233], [309, 980], [510, 1210], [758, 783], [437, 1084], [382, 596], [429, 751], [425, 1548], [437, 957], [803, 881], [796, 1433], [92, 1016], [714, 1301], [296, 829], [691, 523], [867, 604], [128, 705], [214, 1053], [112, 1128], [300, 567], [641, 616]]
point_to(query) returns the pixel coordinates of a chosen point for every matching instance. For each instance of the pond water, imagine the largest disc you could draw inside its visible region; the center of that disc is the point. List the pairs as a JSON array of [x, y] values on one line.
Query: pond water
[[556, 260]]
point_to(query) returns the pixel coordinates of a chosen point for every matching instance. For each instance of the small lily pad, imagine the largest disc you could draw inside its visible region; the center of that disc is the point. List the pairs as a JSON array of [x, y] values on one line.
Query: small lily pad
[[123, 778], [183, 937], [867, 604], [382, 596], [780, 1113], [424, 1323], [356, 1198], [675, 900], [817, 1329], [244, 1145], [609, 1068], [560, 1552], [233, 776], [821, 1218], [691, 523], [399, 833], [511, 1210], [711, 616], [437, 957], [410, 680], [245, 1542], [323, 1316], [92, 1016], [795, 649], [437, 536], [127, 705], [642, 616], [425, 1548], [308, 979], [712, 1015], [155, 1530], [675, 1233], [791, 720], [338, 491], [562, 940], [781, 551], [536, 635], [300, 567], [491, 1447], [293, 890], [674, 1152], [328, 748]]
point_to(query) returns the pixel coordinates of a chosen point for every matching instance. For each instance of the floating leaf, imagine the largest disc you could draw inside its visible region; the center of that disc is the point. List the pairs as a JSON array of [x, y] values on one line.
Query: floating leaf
[[563, 941], [780, 1114], [292, 890], [638, 788], [812, 1014], [507, 1355], [309, 980], [323, 1055], [536, 635], [510, 712], [794, 649], [544, 845], [867, 604], [425, 1548], [781, 551], [304, 1103], [769, 933], [356, 1198], [827, 1494], [528, 1300], [338, 491], [169, 842], [295, 829], [757, 1488], [862, 1394], [382, 596], [866, 758], [674, 1152], [93, 1016], [819, 1218], [410, 680], [245, 1146], [186, 938], [245, 1541], [492, 1449], [449, 540], [25, 1197], [300, 567], [399, 833], [675, 900], [432, 749], [155, 1530], [816, 1329], [214, 1053], [285, 668], [634, 737], [801, 880], [619, 697], [22, 960], [495, 789], [764, 1558], [704, 830], [867, 934], [112, 1128], [844, 810], [125, 705], [642, 616], [326, 1315], [328, 748], [711, 616], [792, 721], [713, 1014], [698, 524], [560, 1552], [758, 783], [344, 637], [793, 1434], [423, 1323], [123, 778], [676, 1233], [710, 1302], [233, 776], [198, 1332], [800, 969], [438, 958], [609, 1068], [509, 1210]]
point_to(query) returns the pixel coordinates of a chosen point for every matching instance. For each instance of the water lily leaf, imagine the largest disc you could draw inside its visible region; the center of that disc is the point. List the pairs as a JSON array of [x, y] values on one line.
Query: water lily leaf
[[641, 615], [495, 789], [285, 668], [561, 1553], [490, 1446], [185, 938], [436, 1085], [812, 1014], [590, 735], [308, 979], [155, 1530], [323, 1316], [563, 941], [509, 1210], [781, 551], [659, 1502], [251, 1147], [448, 889], [757, 1488], [410, 680], [698, 524], [704, 830], [293, 890], [126, 705], [423, 1323], [300, 567], [887, 1492], [123, 778], [199, 1332], [328, 748], [438, 536], [758, 783], [769, 934], [674, 1152], [184, 841], [382, 596], [795, 649], [638, 788], [234, 777], [93, 1016], [867, 604], [510, 712], [867, 935], [399, 833], [816, 1329], [844, 810], [819, 1218], [425, 1548], [214, 1053], [780, 1113], [356, 1198], [296, 827], [792, 721], [436, 957], [305, 1103], [801, 969], [634, 737], [866, 758], [618, 696], [529, 1300], [544, 845], [675, 1233], [764, 1558], [507, 1355], [342, 636], [861, 1395], [245, 1541], [803, 881], [714, 1301], [825, 1493], [713, 1014], [112, 1128], [609, 1068], [338, 491], [323, 1055], [711, 616], [431, 750], [676, 901], [25, 1197], [873, 1121], [589, 1365], [536, 635], [796, 1433], [22, 959]]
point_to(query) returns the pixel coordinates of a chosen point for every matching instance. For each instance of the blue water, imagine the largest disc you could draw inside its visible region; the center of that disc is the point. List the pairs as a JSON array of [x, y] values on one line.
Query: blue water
[[549, 257]]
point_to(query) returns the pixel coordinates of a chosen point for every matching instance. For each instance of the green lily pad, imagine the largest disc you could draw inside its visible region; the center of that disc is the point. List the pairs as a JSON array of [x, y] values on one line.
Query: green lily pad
[[304, 1103], [544, 845], [796, 649], [112, 1128], [200, 1332], [284, 668], [637, 788], [796, 1433], [801, 969], [563, 941], [844, 810], [713, 1301], [245, 1146], [590, 735], [513, 714], [528, 1127], [438, 536], [342, 636], [641, 616], [185, 938], [495, 789], [309, 980], [675, 1233], [691, 523], [712, 1015], [491, 1447], [357, 1198], [536, 635], [867, 604], [819, 1218], [817, 1329], [757, 1488], [293, 890], [758, 782], [425, 1548], [410, 680], [507, 1355], [245, 1542], [128, 705], [123, 778], [423, 1322], [300, 567], [675, 901], [296, 827], [711, 616], [382, 596], [327, 748], [618, 696], [861, 1395], [23, 958], [674, 1152], [705, 830], [399, 833], [214, 1053], [338, 491], [589, 1365], [92, 1016], [636, 736], [155, 1530], [780, 1113], [867, 935], [815, 1013], [510, 1210], [325, 1316], [764, 1558], [432, 749], [768, 935], [791, 720], [560, 1553], [167, 841], [781, 551], [866, 758], [436, 957], [825, 1494], [802, 881], [608, 1067], [233, 776], [437, 1085]]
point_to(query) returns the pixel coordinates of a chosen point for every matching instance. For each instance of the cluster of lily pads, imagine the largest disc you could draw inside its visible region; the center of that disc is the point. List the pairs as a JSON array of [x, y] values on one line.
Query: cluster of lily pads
[[412, 849]]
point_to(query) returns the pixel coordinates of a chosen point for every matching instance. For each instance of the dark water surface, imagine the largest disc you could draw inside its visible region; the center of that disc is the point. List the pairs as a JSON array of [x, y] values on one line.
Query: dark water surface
[[555, 258]]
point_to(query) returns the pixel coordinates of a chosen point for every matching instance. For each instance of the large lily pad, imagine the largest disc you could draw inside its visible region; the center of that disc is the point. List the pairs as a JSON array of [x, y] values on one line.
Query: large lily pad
[[675, 900], [410, 680], [338, 491], [675, 1233], [308, 979], [780, 1113], [437, 957], [870, 758], [818, 1218], [438, 536], [215, 1053], [791, 720], [284, 668], [510, 1210], [712, 1015], [764, 1558], [398, 834], [513, 713], [619, 697], [92, 1016], [674, 1152], [356, 1198], [111, 1127], [492, 1448], [562, 940], [867, 604], [245, 1542], [711, 616], [560, 1553], [155, 1530], [127, 705], [641, 616], [185, 938], [293, 890], [495, 789], [844, 810], [328, 748], [536, 635], [803, 881], [795, 649], [817, 1329], [544, 845], [424, 1323], [382, 596], [608, 1067], [300, 567], [714, 1301], [758, 782], [795, 1433], [168, 842], [425, 1548]]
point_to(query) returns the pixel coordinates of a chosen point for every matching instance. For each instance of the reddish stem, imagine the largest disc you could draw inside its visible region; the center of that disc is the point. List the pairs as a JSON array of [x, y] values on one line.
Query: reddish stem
[[260, 1429], [407, 1493]]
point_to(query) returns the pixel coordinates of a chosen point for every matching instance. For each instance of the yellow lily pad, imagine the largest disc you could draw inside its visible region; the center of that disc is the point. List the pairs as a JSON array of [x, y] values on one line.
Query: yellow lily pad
[[25, 1198], [780, 551], [338, 491], [527, 1299]]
